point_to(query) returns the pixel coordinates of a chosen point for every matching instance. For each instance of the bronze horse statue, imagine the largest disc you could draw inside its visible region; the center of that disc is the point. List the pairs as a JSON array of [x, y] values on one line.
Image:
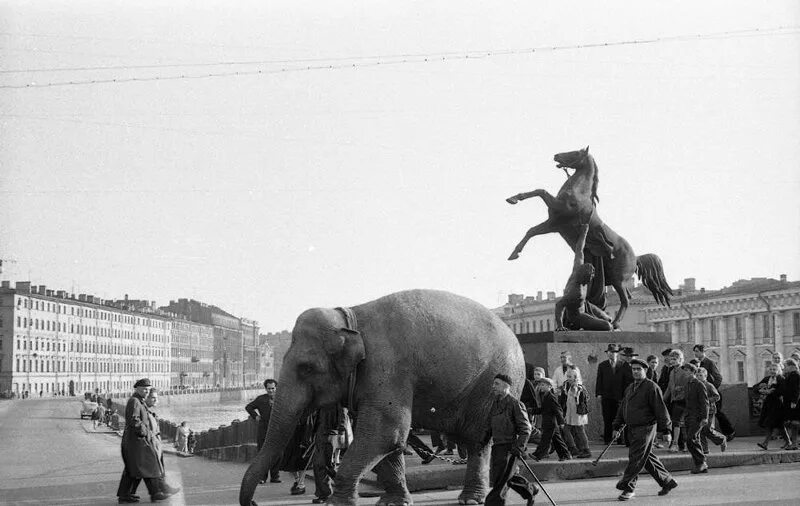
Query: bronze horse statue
[[611, 255]]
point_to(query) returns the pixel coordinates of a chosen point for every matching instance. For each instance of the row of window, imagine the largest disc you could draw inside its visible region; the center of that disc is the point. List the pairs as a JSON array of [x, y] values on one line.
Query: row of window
[[42, 305], [62, 388], [733, 327], [102, 348], [36, 324], [41, 365]]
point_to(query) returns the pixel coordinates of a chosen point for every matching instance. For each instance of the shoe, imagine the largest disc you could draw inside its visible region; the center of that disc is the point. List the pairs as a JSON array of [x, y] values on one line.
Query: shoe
[[723, 445], [127, 500], [625, 496], [730, 436], [171, 490], [586, 455], [706, 452], [319, 500], [793, 447], [762, 446], [275, 480], [667, 487], [439, 449], [295, 490], [427, 460], [700, 470], [261, 482], [658, 445], [407, 452], [535, 457], [673, 449], [159, 496], [565, 457]]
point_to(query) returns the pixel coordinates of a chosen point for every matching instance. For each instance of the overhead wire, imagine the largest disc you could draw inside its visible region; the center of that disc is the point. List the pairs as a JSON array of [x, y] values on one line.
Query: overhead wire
[[337, 63]]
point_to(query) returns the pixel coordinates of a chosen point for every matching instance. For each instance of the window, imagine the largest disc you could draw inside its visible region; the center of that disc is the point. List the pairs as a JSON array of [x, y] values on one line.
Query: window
[[796, 325], [766, 321], [737, 322]]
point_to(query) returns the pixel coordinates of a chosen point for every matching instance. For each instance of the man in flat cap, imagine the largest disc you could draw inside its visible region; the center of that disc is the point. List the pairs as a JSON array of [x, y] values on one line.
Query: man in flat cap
[[609, 387], [509, 430], [643, 411], [140, 450]]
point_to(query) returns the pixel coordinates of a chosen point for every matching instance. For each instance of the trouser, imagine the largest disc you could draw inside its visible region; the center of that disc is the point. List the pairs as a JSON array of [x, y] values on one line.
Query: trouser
[[503, 475], [274, 472], [641, 456], [128, 484], [575, 437], [551, 434], [725, 425], [693, 428], [436, 440], [609, 407], [709, 432], [323, 468]]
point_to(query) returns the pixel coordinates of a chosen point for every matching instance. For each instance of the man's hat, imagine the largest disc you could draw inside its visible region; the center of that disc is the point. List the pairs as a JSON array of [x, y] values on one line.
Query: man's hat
[[628, 352], [504, 377], [613, 348], [666, 352], [144, 382], [638, 361]]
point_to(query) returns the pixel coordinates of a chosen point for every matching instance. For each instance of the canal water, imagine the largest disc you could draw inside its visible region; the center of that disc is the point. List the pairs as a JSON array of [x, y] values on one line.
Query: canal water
[[204, 416]]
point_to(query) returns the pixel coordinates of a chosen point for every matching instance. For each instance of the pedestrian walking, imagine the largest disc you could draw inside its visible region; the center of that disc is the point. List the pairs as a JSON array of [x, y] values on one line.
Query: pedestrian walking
[[642, 409], [708, 431], [791, 400], [715, 377], [329, 435], [139, 453], [609, 388], [260, 409], [675, 398], [574, 400], [697, 408], [151, 401], [552, 422], [509, 429], [98, 415], [770, 392], [296, 455]]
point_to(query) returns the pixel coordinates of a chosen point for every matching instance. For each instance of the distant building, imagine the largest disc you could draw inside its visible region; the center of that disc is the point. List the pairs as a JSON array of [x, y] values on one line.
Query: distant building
[[741, 325], [266, 365], [279, 342], [192, 361], [55, 343]]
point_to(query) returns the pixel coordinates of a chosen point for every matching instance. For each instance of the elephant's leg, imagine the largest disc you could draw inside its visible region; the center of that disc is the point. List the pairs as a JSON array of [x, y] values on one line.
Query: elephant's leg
[[392, 477], [476, 478], [380, 430]]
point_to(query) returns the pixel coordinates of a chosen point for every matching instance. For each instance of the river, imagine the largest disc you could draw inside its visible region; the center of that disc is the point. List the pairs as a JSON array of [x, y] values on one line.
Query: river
[[205, 416]]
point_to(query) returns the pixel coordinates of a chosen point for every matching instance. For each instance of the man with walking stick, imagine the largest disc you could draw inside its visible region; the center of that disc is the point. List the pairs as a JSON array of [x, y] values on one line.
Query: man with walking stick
[[643, 411], [509, 430]]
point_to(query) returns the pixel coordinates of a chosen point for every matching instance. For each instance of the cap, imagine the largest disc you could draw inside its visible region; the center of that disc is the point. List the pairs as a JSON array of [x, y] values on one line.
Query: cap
[[628, 352], [666, 352], [613, 347], [638, 361], [144, 382], [504, 377]]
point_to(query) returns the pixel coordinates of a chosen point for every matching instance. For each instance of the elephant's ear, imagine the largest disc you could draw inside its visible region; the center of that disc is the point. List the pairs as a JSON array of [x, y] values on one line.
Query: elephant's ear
[[347, 349]]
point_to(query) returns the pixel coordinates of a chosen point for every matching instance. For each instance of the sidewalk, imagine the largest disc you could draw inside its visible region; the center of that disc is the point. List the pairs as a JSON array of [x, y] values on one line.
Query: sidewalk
[[740, 452]]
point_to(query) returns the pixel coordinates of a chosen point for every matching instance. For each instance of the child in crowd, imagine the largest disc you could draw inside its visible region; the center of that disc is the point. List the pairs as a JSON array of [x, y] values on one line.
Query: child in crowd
[[574, 400], [708, 431], [675, 399], [791, 400], [182, 438], [770, 390], [552, 421]]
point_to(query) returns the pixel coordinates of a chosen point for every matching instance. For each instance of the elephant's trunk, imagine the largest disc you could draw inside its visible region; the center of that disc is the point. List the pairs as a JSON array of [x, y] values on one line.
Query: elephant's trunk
[[288, 407]]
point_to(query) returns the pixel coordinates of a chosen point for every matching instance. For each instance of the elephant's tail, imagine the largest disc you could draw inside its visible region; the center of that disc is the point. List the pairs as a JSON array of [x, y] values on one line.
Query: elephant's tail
[[651, 274]]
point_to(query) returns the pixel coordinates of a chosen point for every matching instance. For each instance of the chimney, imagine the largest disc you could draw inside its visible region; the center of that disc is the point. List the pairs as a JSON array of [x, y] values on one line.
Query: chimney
[[702, 290], [515, 298], [783, 278], [539, 295], [688, 284], [551, 295], [82, 297], [23, 286], [42, 289], [6, 284], [126, 297], [61, 294], [49, 293], [90, 299], [33, 289]]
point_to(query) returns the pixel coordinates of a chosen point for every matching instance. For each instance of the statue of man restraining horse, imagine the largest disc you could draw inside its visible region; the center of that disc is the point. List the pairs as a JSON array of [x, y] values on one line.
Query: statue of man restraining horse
[[611, 257]]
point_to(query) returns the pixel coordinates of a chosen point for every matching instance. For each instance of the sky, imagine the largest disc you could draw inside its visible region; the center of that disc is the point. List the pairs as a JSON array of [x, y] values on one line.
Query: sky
[[341, 173]]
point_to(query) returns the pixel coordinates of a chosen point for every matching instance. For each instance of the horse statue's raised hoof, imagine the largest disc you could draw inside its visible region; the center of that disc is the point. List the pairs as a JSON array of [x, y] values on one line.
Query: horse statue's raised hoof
[[512, 200], [514, 255]]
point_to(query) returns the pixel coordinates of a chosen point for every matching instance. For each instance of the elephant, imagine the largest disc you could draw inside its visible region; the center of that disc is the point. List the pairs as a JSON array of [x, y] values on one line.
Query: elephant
[[421, 357]]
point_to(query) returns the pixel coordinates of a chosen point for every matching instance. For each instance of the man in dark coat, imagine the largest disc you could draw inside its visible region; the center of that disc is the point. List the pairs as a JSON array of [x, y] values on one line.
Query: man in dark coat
[[697, 407], [715, 378], [139, 451], [260, 409], [663, 377], [509, 430], [609, 388], [329, 435], [643, 412]]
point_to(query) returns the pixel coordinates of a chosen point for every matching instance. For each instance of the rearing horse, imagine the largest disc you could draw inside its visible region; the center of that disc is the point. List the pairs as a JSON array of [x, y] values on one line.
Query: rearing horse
[[610, 253]]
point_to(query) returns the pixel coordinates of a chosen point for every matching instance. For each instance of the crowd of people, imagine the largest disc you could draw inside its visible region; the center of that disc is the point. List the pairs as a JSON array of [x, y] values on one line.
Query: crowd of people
[[778, 395]]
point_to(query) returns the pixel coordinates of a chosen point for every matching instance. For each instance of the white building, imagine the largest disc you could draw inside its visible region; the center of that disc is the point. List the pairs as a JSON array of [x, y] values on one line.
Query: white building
[[52, 343]]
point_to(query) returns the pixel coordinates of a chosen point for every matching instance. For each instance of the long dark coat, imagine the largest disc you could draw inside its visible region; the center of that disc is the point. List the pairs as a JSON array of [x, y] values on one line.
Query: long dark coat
[[611, 383], [140, 444], [771, 408], [791, 395]]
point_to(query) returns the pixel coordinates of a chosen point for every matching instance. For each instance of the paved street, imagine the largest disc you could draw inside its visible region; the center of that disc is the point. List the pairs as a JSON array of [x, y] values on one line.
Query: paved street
[[51, 457]]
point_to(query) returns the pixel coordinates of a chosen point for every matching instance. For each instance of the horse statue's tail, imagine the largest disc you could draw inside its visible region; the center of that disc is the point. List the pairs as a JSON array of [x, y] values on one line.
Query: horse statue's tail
[[651, 274]]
